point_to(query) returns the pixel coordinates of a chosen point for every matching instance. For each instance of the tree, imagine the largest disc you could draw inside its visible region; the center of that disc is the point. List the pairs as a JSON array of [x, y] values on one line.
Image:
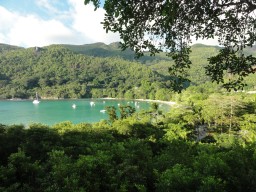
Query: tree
[[178, 178], [111, 111], [126, 111], [170, 25], [20, 174]]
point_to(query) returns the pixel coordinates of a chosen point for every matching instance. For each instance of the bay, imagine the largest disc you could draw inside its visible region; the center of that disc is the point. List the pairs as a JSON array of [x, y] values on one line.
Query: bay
[[50, 112]]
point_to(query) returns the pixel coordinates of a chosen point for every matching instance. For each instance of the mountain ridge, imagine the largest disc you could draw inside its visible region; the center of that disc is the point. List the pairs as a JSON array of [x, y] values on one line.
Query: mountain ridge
[[94, 68], [55, 71]]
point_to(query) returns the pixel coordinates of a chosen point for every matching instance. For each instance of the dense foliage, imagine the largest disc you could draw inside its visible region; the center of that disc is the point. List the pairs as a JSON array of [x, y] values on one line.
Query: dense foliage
[[170, 26], [113, 50], [57, 72], [94, 70], [206, 143], [5, 47]]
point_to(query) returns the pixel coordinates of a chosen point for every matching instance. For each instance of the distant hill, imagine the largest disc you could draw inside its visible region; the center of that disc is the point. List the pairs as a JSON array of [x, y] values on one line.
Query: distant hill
[[159, 63], [101, 50], [251, 50], [198, 56], [6, 47], [96, 69], [113, 50], [57, 72]]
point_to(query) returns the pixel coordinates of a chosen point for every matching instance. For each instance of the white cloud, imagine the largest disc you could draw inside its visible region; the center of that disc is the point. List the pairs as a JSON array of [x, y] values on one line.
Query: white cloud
[[47, 5], [2, 38], [29, 30], [78, 24], [54, 8], [88, 22], [32, 30], [6, 20]]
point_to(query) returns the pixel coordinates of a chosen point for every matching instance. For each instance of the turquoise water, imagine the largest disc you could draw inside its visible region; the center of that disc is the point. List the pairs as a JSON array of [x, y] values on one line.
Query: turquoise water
[[50, 112]]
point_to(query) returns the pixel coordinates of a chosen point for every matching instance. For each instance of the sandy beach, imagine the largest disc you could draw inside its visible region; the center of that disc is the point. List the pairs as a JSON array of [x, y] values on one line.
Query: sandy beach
[[145, 100], [157, 101]]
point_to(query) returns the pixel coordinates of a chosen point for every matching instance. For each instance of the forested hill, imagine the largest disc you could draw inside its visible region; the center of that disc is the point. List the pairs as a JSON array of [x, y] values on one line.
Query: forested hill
[[6, 47], [160, 63], [114, 50], [57, 72], [94, 70]]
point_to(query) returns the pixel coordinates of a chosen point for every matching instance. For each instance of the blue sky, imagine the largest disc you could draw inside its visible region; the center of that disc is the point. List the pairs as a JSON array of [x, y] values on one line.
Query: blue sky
[[31, 23]]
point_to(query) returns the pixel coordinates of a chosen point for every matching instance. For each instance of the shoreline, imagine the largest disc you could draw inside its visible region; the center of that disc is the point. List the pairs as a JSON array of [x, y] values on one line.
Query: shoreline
[[158, 101], [171, 103]]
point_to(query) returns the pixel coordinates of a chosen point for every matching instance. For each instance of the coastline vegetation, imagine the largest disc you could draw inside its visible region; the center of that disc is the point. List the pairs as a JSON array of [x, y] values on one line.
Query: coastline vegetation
[[205, 143]]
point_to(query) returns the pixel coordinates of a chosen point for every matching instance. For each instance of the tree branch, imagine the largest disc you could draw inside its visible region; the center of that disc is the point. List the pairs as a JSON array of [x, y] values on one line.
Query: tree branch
[[251, 6]]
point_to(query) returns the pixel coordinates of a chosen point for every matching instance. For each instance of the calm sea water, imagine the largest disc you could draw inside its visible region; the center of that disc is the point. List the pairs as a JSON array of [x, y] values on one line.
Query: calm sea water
[[54, 111]]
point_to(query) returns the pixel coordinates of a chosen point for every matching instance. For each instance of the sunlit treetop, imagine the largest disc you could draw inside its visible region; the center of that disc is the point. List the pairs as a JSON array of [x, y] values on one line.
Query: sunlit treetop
[[169, 25]]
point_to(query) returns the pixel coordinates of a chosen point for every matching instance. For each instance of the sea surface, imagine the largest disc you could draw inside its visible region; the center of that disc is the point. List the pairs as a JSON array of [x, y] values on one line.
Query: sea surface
[[50, 112]]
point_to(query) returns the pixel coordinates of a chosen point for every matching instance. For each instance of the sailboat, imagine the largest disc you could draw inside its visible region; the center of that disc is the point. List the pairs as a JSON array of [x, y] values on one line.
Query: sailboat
[[36, 101], [92, 103]]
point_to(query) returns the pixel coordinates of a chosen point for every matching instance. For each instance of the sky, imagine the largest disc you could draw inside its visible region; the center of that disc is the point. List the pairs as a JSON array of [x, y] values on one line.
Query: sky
[[29, 23]]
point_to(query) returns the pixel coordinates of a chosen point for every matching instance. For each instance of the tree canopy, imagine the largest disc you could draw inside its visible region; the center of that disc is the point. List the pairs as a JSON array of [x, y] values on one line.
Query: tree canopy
[[57, 72], [205, 144], [170, 25]]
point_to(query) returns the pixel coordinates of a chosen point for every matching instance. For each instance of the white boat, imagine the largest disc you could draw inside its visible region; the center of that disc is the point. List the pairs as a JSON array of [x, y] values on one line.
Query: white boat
[[92, 103], [103, 111], [36, 101], [74, 106]]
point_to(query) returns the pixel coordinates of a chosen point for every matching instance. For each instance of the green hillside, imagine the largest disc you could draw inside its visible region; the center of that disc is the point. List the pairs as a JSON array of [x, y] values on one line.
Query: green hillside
[[95, 70], [57, 72], [198, 56], [161, 63], [114, 50], [6, 47]]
